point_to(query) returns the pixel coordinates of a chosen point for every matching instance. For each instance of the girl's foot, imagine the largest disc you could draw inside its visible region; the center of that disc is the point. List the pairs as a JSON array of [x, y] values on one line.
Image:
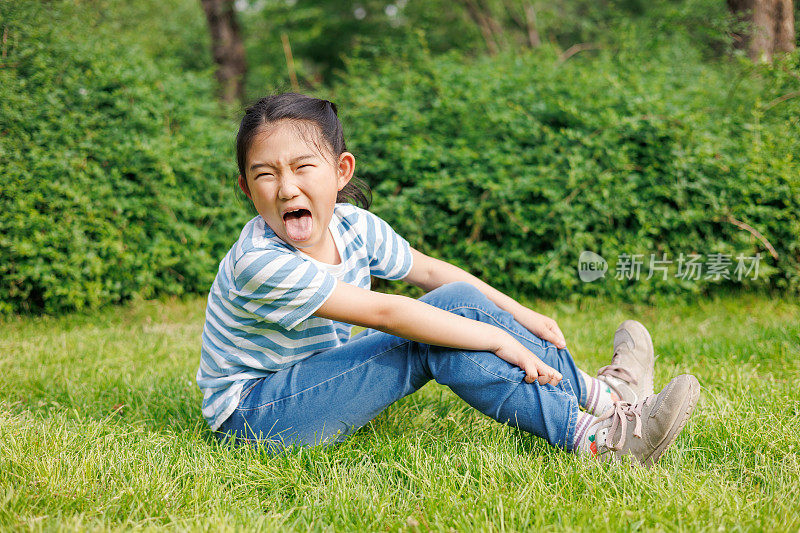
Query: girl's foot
[[630, 374], [646, 429]]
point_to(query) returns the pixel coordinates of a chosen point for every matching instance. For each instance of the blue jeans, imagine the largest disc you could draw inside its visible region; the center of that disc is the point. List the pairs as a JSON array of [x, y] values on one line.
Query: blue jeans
[[329, 395]]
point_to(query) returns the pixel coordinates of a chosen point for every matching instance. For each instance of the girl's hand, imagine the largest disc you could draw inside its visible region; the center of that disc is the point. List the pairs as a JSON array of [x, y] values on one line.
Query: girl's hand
[[543, 327], [512, 351]]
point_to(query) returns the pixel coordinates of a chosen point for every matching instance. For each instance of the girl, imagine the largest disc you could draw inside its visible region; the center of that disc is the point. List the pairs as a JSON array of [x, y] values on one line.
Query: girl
[[278, 365]]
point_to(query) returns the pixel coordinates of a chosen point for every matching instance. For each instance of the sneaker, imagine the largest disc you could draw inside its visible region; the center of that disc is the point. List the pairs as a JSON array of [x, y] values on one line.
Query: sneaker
[[630, 374], [646, 429]]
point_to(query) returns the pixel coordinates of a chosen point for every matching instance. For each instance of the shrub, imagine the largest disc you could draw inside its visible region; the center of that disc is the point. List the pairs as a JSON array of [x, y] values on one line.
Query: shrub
[[116, 170], [512, 166]]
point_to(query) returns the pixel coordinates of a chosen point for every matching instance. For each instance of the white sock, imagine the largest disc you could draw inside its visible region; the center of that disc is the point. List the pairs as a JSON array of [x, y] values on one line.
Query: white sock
[[588, 435], [583, 432], [599, 395]]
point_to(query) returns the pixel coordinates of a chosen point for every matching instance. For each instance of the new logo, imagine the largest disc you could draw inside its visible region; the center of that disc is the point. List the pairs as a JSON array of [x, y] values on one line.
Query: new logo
[[591, 266]]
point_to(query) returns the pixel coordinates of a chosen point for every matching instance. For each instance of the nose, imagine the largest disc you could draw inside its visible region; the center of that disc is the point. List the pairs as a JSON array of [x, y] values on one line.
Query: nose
[[288, 188]]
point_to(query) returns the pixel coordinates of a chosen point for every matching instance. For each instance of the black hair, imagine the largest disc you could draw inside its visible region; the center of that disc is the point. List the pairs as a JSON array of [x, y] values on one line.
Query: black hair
[[302, 111]]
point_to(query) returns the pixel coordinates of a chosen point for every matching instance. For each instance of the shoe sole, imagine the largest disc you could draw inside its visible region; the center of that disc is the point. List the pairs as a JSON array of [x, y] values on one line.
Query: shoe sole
[[652, 352], [634, 325], [638, 325], [677, 427]]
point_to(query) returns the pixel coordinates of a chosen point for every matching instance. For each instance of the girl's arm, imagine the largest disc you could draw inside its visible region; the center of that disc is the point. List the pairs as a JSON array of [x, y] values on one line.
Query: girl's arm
[[430, 273], [415, 320]]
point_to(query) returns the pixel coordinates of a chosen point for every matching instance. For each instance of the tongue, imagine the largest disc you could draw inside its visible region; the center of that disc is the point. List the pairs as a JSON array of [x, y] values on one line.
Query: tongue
[[298, 226]]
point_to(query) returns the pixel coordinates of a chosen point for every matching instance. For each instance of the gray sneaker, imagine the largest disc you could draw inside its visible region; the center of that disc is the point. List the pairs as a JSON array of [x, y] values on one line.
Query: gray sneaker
[[630, 374], [646, 429]]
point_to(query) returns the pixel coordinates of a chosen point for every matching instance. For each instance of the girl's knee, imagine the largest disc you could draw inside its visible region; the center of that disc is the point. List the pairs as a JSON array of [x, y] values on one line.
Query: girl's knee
[[457, 292]]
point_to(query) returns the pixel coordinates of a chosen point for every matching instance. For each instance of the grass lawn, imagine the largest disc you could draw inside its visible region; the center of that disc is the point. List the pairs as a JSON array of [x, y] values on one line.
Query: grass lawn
[[101, 428]]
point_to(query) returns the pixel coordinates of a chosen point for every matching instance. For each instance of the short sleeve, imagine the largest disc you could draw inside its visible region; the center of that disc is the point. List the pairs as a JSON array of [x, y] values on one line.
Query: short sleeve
[[280, 286], [389, 253]]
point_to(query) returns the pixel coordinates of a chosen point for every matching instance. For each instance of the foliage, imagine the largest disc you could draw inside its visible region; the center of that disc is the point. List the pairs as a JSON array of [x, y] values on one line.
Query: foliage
[[323, 33], [512, 166], [173, 31], [116, 169]]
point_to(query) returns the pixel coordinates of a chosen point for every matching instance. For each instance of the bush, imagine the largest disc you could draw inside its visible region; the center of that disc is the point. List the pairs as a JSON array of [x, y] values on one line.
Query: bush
[[117, 171], [512, 166]]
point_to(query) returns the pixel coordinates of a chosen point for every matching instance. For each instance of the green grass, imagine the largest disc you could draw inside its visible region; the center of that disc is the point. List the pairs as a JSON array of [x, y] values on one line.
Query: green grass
[[100, 428]]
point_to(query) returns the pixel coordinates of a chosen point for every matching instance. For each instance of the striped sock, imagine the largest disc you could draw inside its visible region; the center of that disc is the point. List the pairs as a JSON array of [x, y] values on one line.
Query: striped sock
[[599, 396], [580, 441]]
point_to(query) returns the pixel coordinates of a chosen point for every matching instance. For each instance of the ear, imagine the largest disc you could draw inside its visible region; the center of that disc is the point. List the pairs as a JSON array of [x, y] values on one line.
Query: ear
[[244, 187], [345, 169]]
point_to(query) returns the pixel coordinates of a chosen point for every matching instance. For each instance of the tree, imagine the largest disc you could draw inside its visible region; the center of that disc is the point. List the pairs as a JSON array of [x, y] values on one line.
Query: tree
[[227, 48], [770, 26]]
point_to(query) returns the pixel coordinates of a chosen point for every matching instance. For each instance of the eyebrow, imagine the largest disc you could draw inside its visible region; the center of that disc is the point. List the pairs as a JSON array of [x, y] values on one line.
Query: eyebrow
[[272, 165]]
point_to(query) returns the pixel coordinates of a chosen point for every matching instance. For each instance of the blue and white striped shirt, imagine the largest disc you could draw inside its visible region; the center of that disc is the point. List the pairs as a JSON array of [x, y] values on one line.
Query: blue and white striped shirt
[[259, 314]]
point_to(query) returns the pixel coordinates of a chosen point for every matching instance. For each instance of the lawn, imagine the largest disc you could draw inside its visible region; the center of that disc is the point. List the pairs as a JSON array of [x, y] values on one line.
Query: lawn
[[101, 429]]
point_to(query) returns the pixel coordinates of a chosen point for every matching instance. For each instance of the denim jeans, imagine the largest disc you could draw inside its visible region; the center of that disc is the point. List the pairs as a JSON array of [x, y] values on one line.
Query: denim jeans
[[329, 395]]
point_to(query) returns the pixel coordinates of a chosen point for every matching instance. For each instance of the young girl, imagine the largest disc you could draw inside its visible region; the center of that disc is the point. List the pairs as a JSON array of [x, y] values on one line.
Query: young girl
[[278, 365]]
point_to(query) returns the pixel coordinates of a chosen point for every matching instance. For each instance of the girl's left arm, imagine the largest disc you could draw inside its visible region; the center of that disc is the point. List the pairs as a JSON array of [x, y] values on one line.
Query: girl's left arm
[[429, 273]]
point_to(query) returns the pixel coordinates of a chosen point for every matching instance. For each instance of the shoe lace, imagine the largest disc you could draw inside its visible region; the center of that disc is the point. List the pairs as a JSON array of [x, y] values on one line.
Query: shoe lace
[[621, 415], [617, 371]]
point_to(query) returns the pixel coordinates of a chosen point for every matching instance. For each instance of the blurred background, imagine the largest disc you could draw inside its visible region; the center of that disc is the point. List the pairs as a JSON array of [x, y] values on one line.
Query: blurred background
[[506, 136]]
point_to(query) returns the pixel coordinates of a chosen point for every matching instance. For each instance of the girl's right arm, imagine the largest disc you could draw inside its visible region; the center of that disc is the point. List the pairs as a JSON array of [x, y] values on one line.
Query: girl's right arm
[[417, 321]]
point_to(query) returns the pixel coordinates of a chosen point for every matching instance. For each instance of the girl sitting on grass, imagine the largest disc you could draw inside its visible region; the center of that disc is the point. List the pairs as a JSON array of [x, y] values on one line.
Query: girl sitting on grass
[[278, 365]]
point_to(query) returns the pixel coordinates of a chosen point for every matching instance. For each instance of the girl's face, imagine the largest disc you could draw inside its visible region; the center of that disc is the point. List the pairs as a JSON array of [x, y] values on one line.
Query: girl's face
[[293, 186]]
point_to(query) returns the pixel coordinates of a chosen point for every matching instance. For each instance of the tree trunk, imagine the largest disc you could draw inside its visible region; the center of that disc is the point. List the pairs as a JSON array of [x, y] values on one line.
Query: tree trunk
[[784, 34], [771, 27], [227, 48]]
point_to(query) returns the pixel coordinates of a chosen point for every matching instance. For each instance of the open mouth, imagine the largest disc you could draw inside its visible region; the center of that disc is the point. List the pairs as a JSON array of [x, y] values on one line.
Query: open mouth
[[297, 213], [298, 224]]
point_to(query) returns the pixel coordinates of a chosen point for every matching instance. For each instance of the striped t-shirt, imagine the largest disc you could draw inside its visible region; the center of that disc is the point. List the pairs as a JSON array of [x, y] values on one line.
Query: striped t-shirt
[[258, 318]]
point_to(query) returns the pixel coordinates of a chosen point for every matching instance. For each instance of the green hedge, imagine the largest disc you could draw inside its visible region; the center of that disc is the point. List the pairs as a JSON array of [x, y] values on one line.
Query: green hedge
[[116, 172], [512, 166]]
